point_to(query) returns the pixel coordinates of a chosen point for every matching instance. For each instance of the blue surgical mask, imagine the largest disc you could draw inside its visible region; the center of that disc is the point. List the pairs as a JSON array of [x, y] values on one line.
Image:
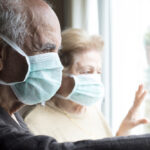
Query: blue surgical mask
[[88, 89], [42, 79]]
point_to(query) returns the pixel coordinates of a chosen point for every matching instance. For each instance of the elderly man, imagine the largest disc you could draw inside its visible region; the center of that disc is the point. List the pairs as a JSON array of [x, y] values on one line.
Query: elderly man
[[30, 73]]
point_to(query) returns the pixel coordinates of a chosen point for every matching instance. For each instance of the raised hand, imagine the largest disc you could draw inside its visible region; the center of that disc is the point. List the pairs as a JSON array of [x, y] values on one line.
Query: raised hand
[[131, 120]]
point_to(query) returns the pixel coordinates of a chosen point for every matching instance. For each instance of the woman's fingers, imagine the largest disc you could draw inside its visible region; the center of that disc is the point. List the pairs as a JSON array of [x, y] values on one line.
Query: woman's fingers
[[141, 121], [131, 120], [140, 99], [140, 95], [139, 91]]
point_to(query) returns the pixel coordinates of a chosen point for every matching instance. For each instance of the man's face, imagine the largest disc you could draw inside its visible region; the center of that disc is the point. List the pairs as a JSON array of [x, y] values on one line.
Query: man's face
[[43, 36], [44, 29]]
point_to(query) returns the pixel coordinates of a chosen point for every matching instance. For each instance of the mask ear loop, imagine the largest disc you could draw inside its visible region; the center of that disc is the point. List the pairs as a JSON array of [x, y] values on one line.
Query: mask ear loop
[[61, 97], [68, 75], [67, 97], [20, 51], [74, 88], [14, 46]]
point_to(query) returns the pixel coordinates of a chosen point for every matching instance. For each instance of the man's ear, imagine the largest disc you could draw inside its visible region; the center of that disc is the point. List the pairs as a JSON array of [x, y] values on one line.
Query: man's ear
[[2, 57]]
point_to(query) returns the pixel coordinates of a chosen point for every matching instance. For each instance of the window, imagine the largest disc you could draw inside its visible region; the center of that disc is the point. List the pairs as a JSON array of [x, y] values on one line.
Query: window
[[123, 24]]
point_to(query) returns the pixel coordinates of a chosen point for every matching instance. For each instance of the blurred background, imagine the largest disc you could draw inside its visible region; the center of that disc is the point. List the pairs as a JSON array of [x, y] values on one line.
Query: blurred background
[[125, 28]]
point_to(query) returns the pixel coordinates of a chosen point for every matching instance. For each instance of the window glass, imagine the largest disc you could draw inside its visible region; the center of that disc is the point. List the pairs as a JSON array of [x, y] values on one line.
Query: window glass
[[130, 20]]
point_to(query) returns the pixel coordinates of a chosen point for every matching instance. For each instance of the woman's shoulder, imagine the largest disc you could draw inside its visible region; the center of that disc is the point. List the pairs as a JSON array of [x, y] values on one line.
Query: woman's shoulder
[[42, 113]]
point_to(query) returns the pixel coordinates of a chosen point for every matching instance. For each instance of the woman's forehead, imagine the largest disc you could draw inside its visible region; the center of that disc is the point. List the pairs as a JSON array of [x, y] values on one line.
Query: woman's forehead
[[87, 59]]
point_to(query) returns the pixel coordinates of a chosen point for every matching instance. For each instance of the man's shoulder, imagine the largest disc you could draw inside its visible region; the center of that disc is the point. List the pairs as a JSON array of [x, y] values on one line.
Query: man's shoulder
[[13, 136], [7, 124], [3, 117]]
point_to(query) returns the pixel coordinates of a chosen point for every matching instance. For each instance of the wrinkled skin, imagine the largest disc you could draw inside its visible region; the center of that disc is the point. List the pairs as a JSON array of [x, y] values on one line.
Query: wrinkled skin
[[43, 36], [85, 62]]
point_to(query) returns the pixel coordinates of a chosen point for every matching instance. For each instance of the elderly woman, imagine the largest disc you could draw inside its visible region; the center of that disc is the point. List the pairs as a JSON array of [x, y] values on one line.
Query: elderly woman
[[76, 116]]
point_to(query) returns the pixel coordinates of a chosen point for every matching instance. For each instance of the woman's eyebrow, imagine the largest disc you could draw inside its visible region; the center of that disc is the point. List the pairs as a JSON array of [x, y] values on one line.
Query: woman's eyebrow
[[87, 66]]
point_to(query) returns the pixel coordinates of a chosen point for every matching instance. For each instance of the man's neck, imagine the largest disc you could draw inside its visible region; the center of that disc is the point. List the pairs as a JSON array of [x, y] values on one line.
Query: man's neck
[[8, 100]]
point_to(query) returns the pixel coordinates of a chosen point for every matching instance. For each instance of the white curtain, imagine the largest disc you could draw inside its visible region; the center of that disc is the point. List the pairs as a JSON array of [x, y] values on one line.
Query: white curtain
[[82, 14]]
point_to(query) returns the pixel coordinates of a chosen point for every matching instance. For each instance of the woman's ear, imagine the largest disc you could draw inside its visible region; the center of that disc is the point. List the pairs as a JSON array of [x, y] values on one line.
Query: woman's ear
[[2, 57]]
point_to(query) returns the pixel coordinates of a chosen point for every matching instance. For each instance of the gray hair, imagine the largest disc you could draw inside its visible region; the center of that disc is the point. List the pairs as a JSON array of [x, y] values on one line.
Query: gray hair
[[13, 21]]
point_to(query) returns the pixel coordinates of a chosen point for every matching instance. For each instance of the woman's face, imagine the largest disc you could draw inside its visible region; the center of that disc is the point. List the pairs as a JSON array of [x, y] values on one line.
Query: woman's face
[[86, 62]]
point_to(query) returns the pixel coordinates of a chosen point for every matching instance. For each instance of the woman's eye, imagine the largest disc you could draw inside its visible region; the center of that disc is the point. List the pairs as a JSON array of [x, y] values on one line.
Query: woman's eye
[[99, 72], [85, 72]]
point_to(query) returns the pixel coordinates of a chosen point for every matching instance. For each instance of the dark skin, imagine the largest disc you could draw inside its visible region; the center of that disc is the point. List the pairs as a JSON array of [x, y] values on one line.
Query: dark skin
[[44, 37]]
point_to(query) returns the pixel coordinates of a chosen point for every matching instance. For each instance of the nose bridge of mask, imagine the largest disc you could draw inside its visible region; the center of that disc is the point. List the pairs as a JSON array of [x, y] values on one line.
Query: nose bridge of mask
[[45, 61], [20, 51], [90, 78]]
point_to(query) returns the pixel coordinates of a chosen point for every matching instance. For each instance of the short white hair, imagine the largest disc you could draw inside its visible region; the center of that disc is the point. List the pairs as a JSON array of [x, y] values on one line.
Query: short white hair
[[13, 21]]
